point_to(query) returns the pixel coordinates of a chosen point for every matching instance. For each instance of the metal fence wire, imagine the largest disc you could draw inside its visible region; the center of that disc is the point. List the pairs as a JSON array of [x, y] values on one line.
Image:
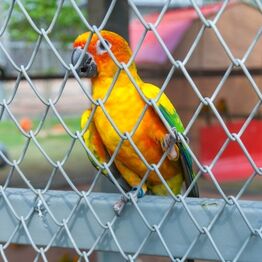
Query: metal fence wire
[[179, 227]]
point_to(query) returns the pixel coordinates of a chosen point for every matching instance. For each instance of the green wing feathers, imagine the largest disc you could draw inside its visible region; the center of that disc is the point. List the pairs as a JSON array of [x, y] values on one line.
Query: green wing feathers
[[187, 166], [171, 116]]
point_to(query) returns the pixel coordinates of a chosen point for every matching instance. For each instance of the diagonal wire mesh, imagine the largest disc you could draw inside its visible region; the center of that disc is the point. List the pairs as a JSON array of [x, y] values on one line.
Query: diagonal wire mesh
[[84, 220]]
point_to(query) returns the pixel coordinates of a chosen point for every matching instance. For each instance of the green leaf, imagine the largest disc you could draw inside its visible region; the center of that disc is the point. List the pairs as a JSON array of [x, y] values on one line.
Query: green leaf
[[67, 26]]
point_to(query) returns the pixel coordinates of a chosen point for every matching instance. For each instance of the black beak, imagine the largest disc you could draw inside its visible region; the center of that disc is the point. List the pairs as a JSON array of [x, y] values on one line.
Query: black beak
[[87, 67]]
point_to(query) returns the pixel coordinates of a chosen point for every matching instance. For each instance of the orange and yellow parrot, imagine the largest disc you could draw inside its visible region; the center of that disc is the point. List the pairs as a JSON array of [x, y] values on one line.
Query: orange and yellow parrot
[[125, 106]]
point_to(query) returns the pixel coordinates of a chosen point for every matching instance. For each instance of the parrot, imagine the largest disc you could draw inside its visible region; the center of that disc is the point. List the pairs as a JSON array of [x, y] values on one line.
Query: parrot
[[123, 103]]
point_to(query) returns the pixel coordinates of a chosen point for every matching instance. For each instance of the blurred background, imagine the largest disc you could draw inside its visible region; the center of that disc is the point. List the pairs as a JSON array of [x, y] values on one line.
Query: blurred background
[[207, 67]]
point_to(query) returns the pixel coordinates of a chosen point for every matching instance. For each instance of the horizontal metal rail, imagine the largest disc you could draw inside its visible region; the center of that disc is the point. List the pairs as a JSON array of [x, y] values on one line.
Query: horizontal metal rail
[[151, 73], [231, 233]]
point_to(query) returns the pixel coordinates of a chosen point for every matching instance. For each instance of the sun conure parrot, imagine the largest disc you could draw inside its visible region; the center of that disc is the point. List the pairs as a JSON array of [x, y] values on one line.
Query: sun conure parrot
[[124, 106]]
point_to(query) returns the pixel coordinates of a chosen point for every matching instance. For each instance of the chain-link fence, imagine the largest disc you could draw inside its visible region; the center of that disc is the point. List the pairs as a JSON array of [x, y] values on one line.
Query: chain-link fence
[[225, 229]]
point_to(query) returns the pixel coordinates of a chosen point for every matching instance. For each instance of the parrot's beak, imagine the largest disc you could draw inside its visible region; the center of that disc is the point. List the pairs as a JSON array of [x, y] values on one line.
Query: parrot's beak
[[87, 67]]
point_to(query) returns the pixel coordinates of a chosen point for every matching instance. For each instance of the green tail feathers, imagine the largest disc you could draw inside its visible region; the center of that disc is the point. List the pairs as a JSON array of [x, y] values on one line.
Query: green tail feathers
[[173, 120], [187, 166]]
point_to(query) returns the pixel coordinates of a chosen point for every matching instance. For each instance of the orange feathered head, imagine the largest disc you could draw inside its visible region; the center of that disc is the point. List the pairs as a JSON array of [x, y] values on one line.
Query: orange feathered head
[[97, 60]]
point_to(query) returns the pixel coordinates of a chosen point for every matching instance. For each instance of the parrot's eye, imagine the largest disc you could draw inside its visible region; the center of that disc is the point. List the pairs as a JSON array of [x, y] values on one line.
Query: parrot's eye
[[101, 49]]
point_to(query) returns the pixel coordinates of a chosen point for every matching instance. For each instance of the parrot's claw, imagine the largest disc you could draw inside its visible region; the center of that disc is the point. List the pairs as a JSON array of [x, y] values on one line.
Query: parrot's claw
[[169, 144], [120, 204], [177, 137]]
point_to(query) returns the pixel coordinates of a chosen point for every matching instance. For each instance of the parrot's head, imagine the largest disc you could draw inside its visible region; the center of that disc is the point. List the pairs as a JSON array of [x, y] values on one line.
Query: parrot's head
[[97, 61]]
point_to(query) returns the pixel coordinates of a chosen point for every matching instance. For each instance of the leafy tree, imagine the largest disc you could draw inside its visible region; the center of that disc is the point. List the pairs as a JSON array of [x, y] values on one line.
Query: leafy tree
[[67, 26]]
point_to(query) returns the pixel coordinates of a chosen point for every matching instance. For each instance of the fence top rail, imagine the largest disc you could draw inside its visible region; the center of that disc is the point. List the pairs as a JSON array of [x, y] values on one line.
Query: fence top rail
[[83, 227]]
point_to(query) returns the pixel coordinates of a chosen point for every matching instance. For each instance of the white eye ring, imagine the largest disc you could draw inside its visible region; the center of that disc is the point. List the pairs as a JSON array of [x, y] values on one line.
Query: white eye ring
[[100, 48]]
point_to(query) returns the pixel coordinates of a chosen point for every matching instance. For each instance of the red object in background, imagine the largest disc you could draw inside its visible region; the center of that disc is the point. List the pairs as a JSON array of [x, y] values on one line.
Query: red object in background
[[26, 124], [233, 164]]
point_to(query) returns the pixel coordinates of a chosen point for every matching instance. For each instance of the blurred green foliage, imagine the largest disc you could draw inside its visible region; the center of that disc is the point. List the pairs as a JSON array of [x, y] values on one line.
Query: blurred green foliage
[[67, 26], [12, 137], [55, 142]]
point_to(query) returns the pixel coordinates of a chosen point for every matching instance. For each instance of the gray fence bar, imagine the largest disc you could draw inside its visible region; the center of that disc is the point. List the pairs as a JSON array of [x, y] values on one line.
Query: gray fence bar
[[228, 229]]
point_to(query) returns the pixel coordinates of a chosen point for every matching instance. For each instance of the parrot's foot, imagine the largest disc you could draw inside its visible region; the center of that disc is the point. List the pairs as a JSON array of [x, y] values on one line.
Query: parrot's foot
[[120, 204], [169, 144]]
